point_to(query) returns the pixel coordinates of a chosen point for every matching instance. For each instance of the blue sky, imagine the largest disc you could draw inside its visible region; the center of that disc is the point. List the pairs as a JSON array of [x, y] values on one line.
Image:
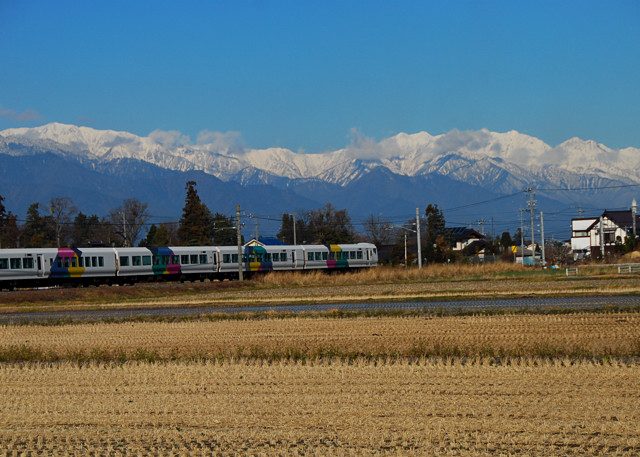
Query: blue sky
[[302, 74]]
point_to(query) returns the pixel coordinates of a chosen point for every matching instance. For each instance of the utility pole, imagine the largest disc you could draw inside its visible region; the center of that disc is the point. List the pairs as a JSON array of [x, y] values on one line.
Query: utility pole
[[405, 249], [256, 219], [544, 263], [602, 237], [532, 206], [239, 235], [521, 236], [418, 235], [481, 226], [124, 230], [294, 230]]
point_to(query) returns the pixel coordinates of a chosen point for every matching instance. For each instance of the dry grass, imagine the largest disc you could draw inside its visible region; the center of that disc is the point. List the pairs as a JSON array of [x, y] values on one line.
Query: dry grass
[[245, 407], [384, 274], [575, 335]]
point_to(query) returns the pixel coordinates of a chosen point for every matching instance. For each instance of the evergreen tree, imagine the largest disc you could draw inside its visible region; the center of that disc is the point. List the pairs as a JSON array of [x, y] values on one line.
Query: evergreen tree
[[37, 231], [197, 223], [9, 233], [286, 229], [224, 230], [156, 236], [84, 229], [505, 241], [436, 243]]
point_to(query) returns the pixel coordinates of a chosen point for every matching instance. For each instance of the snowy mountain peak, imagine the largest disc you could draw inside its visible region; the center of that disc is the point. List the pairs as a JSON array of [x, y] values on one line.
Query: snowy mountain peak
[[486, 155]]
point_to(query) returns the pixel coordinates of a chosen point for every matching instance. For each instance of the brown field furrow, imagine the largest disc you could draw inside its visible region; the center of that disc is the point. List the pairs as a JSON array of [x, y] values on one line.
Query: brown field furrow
[[581, 334], [537, 407]]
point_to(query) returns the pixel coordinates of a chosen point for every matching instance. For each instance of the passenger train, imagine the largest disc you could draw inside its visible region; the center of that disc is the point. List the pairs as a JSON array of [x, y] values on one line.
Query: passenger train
[[48, 267]]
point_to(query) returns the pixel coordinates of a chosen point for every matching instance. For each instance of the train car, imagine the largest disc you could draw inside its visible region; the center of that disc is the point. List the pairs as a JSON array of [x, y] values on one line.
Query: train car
[[196, 262], [133, 264], [340, 256], [83, 266], [95, 266], [25, 267], [273, 258]]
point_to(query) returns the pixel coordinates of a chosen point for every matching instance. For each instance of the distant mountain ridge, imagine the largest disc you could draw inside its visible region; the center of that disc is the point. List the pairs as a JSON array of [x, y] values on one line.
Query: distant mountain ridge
[[403, 154], [367, 177]]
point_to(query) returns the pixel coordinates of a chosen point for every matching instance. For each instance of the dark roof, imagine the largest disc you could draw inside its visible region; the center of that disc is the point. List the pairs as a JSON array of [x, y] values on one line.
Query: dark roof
[[622, 219], [271, 241], [464, 233]]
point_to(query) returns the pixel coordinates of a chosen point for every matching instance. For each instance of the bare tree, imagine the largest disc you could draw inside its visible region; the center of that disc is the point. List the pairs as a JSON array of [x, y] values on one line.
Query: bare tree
[[379, 230], [61, 210], [127, 220]]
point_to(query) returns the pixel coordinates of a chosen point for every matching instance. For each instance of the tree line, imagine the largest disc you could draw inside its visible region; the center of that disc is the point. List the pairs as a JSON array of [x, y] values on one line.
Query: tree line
[[59, 223]]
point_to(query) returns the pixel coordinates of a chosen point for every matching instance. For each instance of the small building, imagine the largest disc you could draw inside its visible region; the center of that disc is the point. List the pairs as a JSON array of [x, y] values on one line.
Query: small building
[[265, 241], [595, 236], [466, 239]]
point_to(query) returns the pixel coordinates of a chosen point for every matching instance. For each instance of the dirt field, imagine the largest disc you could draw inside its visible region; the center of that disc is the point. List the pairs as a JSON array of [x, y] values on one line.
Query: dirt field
[[396, 407], [518, 384]]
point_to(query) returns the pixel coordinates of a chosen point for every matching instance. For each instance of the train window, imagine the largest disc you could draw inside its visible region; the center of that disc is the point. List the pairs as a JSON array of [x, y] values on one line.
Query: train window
[[67, 264], [175, 260], [184, 259], [309, 255], [27, 263], [194, 258], [214, 259], [267, 257], [275, 257], [4, 264], [101, 261], [352, 254], [74, 262], [146, 260], [332, 255], [318, 256], [226, 258], [283, 256], [136, 260], [325, 255], [203, 258], [244, 258], [94, 261], [80, 262], [234, 258], [16, 264], [124, 261], [258, 257], [360, 255]]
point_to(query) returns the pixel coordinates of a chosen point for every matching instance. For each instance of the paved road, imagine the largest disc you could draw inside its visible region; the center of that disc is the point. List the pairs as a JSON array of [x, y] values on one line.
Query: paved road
[[460, 305]]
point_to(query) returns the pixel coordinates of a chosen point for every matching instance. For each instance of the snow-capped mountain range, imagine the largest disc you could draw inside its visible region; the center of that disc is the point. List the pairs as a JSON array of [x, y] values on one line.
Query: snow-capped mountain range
[[501, 161], [485, 163]]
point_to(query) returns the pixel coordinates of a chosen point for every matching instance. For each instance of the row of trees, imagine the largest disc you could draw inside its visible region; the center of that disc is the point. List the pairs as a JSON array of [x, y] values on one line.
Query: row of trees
[[59, 223]]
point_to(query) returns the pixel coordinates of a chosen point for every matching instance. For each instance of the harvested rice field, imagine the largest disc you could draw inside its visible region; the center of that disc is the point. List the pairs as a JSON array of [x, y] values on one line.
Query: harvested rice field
[[325, 407], [563, 384]]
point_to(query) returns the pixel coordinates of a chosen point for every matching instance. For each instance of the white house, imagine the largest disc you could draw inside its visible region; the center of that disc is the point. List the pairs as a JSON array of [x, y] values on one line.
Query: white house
[[597, 236]]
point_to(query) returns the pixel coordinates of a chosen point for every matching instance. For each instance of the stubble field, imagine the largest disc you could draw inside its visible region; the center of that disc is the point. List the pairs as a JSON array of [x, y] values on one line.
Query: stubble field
[[330, 384]]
